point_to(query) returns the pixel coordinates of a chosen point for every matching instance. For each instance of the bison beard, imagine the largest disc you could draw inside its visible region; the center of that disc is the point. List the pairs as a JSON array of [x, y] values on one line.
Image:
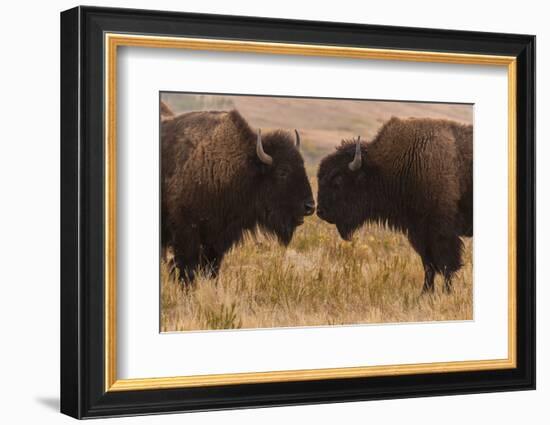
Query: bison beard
[[415, 177], [221, 180]]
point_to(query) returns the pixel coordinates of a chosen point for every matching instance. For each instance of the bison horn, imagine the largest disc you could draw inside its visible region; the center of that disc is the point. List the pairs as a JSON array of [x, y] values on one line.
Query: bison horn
[[265, 158], [357, 160], [297, 139]]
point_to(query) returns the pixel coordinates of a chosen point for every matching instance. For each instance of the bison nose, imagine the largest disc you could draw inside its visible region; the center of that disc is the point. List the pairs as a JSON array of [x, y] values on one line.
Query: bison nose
[[309, 207]]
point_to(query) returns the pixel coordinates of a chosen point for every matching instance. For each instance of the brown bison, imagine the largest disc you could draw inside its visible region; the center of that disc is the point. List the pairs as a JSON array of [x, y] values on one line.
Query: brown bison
[[221, 179], [415, 177]]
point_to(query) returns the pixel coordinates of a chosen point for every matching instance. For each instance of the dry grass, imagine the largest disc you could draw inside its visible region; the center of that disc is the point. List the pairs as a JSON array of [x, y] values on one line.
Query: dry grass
[[318, 280]]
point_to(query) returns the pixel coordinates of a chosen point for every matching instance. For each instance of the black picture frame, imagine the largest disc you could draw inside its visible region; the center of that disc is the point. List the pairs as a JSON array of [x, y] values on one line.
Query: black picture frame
[[83, 392]]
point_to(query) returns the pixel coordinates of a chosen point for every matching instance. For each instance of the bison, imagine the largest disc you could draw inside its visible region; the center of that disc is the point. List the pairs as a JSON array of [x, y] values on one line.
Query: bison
[[220, 180], [415, 176]]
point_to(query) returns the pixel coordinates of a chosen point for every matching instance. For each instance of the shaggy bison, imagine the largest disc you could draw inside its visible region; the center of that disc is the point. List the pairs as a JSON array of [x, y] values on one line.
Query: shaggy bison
[[221, 179], [415, 177]]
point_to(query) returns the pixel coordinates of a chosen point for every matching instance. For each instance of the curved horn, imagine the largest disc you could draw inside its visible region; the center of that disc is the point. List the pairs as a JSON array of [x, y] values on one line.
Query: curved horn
[[297, 139], [265, 158], [357, 160]]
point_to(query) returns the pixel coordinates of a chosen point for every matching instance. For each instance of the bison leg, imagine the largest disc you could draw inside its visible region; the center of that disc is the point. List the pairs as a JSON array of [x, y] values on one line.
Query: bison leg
[[211, 261], [440, 252], [187, 255], [419, 243], [187, 268], [429, 275], [447, 255]]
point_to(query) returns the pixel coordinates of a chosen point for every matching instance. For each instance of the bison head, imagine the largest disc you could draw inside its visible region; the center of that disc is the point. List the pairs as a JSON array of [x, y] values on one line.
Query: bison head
[[344, 195], [284, 193]]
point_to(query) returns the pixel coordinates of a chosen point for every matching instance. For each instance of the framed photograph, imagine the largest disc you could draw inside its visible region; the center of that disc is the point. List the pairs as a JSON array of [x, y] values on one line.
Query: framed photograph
[[261, 212]]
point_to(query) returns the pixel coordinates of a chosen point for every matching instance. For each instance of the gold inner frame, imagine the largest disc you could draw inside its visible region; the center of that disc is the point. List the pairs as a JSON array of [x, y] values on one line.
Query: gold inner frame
[[113, 41]]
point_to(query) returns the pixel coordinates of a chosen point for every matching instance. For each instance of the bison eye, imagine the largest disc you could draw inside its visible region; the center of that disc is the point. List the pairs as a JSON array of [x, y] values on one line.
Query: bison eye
[[282, 174]]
